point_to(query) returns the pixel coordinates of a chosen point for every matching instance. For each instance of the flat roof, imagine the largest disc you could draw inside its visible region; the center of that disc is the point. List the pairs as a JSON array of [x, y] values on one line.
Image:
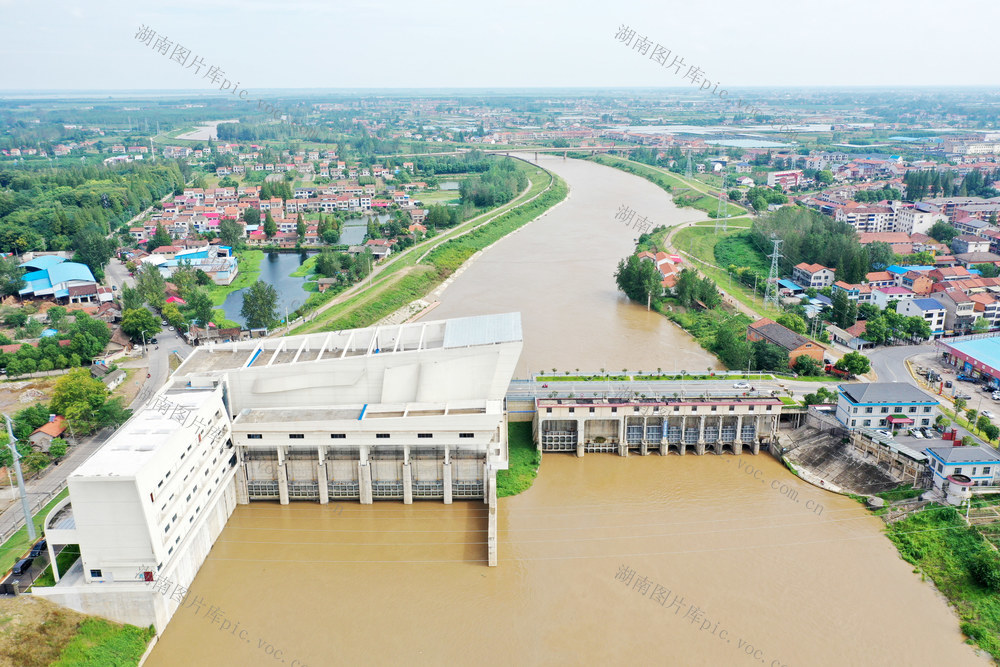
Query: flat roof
[[137, 440], [984, 350]]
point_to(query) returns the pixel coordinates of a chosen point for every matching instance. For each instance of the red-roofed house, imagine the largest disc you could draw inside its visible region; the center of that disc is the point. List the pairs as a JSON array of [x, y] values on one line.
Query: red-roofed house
[[41, 437], [812, 275]]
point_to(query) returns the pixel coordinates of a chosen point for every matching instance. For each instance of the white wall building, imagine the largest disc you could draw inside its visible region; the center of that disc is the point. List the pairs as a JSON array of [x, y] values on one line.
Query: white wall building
[[399, 411]]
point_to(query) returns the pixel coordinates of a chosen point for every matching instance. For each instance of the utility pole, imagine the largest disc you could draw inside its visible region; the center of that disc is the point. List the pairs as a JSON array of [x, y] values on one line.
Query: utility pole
[[12, 443]]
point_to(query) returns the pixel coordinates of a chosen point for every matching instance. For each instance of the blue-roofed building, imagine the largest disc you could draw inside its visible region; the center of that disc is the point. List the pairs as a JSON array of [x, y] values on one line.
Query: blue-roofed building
[[789, 288], [42, 263], [220, 266], [55, 279], [929, 309], [979, 358]]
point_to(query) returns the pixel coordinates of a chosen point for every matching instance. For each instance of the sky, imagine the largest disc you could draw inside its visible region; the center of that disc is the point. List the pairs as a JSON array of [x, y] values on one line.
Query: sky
[[76, 45]]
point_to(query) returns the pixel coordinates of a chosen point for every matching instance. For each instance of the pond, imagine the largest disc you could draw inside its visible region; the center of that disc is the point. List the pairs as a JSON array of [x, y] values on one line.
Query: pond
[[274, 269]]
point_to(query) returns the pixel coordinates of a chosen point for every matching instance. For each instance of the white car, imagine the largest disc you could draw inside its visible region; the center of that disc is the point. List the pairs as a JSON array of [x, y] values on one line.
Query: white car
[[741, 385], [916, 434], [171, 328], [989, 415]]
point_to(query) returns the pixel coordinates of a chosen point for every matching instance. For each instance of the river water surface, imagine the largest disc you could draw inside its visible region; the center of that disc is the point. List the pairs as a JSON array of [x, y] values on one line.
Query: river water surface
[[790, 575]]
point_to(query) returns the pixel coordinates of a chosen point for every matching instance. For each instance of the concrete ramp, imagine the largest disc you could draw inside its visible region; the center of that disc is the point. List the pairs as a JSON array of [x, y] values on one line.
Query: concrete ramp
[[827, 457]]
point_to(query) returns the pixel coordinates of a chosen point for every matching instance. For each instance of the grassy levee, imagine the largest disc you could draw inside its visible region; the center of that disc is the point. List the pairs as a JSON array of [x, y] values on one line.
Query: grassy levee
[[939, 543], [699, 242], [695, 193], [524, 461], [426, 268]]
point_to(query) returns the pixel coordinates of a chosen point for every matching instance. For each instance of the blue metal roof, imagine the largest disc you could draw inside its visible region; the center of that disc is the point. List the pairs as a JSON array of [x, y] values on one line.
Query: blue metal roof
[[42, 263], [61, 273], [927, 304], [789, 284]]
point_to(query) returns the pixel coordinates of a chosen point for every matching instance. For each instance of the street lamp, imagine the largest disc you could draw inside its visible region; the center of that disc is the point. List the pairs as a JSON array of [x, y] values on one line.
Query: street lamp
[[12, 443]]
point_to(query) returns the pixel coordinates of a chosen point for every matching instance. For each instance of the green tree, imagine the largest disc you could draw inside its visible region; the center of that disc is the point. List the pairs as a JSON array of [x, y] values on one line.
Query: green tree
[[200, 305], [876, 331], [160, 238], [793, 322], [77, 396], [981, 324], [300, 228], [231, 233], [917, 327], [36, 461], [942, 232], [270, 227], [991, 431], [94, 250], [970, 416], [131, 298], [11, 280], [806, 365], [825, 177], [151, 285], [982, 422], [260, 305], [140, 322], [880, 255], [854, 363], [113, 413], [251, 216], [985, 570], [57, 447], [769, 357], [959, 404], [640, 279], [56, 315]]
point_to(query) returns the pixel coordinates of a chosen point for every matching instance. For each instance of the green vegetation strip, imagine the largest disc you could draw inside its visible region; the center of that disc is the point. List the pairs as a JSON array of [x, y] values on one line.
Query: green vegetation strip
[[64, 559], [962, 566], [18, 544], [524, 461], [361, 310], [99, 643], [700, 244]]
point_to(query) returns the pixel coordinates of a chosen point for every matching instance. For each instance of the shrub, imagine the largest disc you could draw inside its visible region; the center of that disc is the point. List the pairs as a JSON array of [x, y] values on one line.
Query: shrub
[[985, 570]]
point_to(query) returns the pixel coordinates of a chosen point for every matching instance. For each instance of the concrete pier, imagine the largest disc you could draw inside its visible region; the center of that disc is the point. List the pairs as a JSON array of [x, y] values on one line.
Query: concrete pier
[[407, 484], [446, 475]]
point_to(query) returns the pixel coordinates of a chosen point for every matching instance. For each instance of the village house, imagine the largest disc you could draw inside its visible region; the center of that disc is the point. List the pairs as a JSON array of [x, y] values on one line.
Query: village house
[[812, 275], [797, 345]]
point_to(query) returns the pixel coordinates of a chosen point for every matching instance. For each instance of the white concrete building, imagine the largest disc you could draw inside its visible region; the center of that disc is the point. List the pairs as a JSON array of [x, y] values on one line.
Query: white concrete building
[[401, 411]]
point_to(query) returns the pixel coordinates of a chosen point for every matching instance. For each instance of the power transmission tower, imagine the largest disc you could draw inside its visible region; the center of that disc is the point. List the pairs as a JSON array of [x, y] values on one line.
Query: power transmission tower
[[720, 218], [687, 172], [771, 295]]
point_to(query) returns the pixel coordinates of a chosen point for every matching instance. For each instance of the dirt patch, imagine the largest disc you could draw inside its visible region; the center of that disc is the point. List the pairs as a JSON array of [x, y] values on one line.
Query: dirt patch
[[33, 632], [15, 396]]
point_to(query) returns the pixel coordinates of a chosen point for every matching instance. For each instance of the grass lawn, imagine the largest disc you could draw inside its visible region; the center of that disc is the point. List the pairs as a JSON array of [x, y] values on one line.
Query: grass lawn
[[18, 544], [524, 461], [700, 243], [99, 642], [938, 542], [64, 559], [38, 633]]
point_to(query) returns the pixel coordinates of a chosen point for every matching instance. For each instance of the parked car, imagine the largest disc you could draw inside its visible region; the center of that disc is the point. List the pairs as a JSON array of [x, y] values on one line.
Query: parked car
[[163, 323], [153, 341], [915, 432], [38, 549], [963, 396], [996, 396], [741, 385], [171, 328], [947, 384], [989, 415], [22, 566], [927, 433]]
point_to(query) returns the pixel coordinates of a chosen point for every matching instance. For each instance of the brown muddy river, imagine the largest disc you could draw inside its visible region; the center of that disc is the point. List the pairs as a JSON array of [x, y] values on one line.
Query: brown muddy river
[[605, 560]]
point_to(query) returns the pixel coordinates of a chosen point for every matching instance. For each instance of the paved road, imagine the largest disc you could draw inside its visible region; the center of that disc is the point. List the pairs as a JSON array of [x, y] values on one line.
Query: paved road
[[887, 362], [721, 387], [157, 362]]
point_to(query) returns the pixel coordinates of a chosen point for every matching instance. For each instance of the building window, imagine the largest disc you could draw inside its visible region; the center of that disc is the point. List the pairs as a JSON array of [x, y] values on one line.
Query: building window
[[925, 422], [854, 422], [591, 409], [338, 436], [867, 422], [381, 435], [885, 411], [466, 435], [425, 435], [714, 408], [769, 408], [913, 408], [957, 471], [296, 436], [635, 409], [927, 409], [96, 574], [613, 410], [572, 409], [548, 410], [254, 436], [986, 470], [732, 408], [868, 411]]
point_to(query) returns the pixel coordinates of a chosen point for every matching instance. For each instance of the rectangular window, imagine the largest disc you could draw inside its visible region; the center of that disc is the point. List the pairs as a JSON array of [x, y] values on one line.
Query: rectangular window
[[338, 435], [867, 422], [885, 411], [913, 408], [635, 409], [466, 435], [296, 436], [958, 471], [591, 409], [572, 409], [548, 410], [614, 410], [381, 435], [868, 411], [425, 435], [927, 409], [714, 408], [96, 574], [254, 436]]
